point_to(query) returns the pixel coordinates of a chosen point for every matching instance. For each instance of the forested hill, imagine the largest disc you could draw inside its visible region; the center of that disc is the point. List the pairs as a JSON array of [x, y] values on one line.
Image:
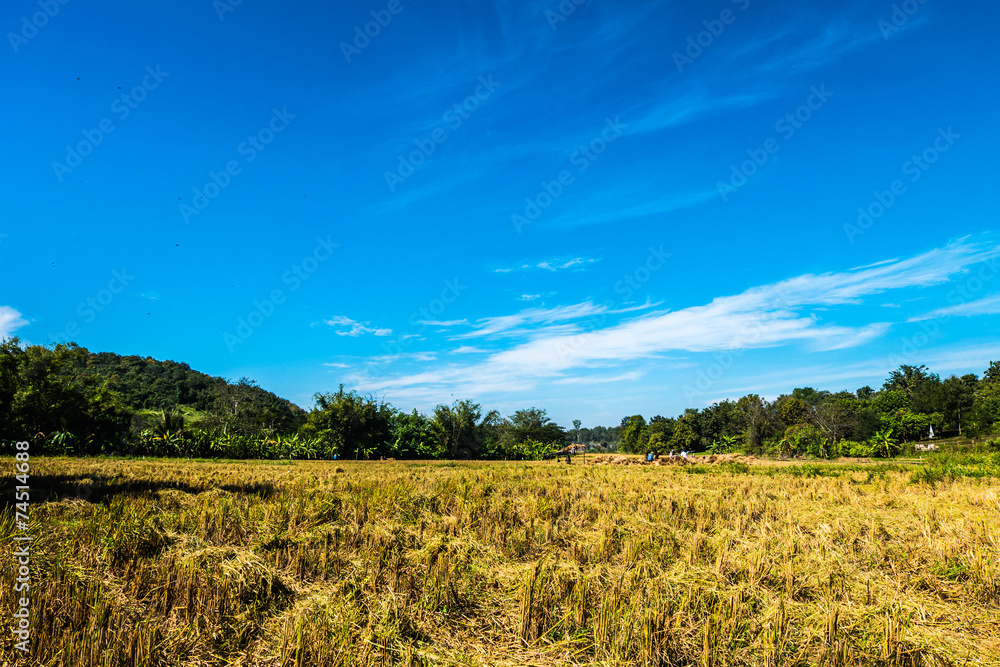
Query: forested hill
[[146, 383], [70, 389]]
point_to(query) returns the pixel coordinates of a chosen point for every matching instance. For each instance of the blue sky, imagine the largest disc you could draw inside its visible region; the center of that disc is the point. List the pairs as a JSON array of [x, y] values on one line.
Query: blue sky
[[600, 209]]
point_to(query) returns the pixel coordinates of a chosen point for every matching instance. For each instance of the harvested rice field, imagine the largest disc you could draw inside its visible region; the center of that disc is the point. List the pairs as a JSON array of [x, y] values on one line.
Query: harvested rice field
[[735, 562]]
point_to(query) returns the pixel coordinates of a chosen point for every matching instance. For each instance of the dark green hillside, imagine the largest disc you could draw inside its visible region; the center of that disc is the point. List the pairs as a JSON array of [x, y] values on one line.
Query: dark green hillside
[[95, 401]]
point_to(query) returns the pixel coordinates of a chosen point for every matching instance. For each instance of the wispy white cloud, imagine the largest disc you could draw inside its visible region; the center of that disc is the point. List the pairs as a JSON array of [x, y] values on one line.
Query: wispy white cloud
[[550, 265], [443, 323], [467, 349], [831, 42], [630, 376], [989, 305], [874, 264], [10, 321], [527, 321], [774, 315], [355, 328], [530, 297], [691, 107]]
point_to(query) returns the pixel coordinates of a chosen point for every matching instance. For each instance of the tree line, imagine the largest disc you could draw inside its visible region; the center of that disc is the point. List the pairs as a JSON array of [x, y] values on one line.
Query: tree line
[[68, 400], [812, 422]]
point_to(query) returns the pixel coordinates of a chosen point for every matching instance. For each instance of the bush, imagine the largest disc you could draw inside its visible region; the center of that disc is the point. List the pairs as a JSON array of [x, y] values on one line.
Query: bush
[[805, 439], [533, 450]]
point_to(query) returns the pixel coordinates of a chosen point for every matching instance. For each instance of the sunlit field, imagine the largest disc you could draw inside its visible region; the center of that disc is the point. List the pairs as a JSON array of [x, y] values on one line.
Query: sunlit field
[[142, 562]]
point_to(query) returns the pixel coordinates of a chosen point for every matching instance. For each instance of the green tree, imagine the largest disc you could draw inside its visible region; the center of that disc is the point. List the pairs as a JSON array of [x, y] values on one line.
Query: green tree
[[412, 436], [684, 437], [793, 410], [718, 422], [840, 416], [888, 401], [350, 424], [883, 444], [805, 439], [50, 396], [633, 434], [533, 424], [657, 442], [958, 398], [243, 408], [462, 432], [810, 396], [986, 407], [757, 419], [909, 379]]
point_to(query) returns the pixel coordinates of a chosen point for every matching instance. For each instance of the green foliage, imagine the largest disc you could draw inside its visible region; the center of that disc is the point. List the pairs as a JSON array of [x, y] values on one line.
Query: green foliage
[[633, 438], [601, 435], [943, 468], [805, 439], [889, 401], [656, 443], [684, 437], [48, 401], [349, 424], [244, 408], [461, 432], [793, 411], [533, 424], [71, 401], [958, 396], [908, 380], [758, 420], [884, 445], [908, 424], [726, 444], [535, 450], [413, 436]]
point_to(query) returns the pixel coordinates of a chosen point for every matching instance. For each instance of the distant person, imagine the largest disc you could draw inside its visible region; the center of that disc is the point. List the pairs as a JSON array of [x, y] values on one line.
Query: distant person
[[671, 453], [649, 457]]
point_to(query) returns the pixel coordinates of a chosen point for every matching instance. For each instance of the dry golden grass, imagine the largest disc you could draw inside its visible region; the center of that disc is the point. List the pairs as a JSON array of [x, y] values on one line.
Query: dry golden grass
[[430, 563]]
